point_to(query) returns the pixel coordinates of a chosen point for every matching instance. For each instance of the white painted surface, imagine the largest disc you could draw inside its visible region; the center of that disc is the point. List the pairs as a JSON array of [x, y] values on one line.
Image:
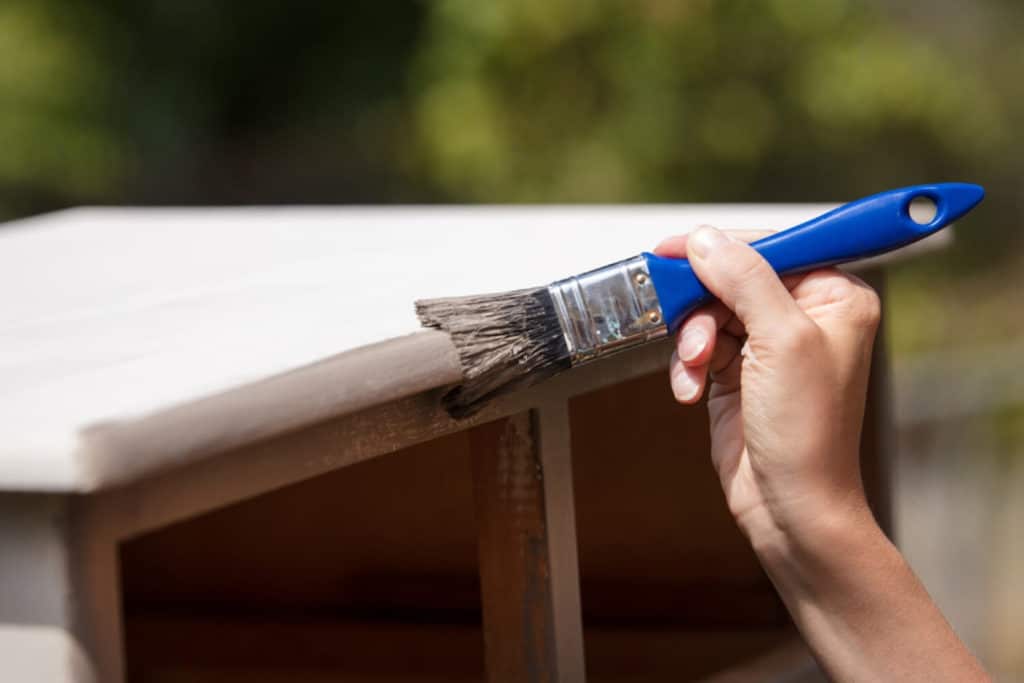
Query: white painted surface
[[116, 313], [38, 629], [42, 654]]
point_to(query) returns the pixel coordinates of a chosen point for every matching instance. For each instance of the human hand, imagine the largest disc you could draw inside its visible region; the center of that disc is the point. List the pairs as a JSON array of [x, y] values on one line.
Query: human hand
[[788, 361]]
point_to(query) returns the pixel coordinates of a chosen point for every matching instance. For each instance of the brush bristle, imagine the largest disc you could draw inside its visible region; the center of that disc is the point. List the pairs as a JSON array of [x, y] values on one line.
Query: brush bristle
[[505, 342]]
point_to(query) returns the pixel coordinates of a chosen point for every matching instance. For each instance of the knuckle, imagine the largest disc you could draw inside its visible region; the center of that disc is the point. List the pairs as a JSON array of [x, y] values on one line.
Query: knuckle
[[872, 305], [865, 307], [841, 287], [860, 304]]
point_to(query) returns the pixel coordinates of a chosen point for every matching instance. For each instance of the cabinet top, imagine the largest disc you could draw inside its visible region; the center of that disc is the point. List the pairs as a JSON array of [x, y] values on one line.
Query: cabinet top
[[112, 318]]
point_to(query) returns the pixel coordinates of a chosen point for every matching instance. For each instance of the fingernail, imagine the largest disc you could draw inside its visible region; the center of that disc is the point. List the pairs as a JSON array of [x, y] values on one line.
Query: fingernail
[[691, 344], [704, 240], [684, 387]]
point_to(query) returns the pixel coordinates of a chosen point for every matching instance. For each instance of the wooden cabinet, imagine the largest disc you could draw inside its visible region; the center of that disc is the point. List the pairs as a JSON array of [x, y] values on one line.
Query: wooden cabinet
[[195, 490]]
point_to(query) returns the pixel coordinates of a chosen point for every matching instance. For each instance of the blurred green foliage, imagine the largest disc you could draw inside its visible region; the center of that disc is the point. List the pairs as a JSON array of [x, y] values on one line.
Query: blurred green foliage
[[160, 101], [1007, 428], [56, 137], [656, 100]]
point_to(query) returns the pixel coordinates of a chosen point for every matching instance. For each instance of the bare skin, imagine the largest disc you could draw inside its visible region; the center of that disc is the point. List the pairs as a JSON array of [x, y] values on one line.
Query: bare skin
[[786, 361]]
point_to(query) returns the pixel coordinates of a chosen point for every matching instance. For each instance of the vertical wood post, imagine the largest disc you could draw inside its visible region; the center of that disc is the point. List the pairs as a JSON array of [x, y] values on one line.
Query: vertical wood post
[[96, 586], [529, 576], [551, 428]]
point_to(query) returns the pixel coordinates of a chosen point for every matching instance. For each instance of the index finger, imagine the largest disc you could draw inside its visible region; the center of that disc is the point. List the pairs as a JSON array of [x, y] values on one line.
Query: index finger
[[675, 247], [704, 323]]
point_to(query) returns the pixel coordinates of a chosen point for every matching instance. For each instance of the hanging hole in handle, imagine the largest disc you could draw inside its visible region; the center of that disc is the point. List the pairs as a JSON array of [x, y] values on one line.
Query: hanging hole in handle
[[923, 210]]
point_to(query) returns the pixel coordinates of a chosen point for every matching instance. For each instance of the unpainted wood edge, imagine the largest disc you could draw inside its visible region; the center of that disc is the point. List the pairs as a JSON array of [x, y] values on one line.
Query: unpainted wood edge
[[252, 469], [555, 450], [117, 452], [95, 589], [515, 571]]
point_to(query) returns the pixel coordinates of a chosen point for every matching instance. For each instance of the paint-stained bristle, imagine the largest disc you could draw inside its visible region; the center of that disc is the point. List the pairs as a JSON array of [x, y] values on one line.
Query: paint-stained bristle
[[505, 341]]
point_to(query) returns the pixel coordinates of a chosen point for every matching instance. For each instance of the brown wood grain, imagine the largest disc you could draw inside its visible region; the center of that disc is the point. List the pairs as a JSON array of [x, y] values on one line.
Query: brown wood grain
[[229, 649], [96, 590], [651, 515], [225, 648], [204, 484], [662, 562], [392, 536], [119, 451], [554, 443], [515, 572]]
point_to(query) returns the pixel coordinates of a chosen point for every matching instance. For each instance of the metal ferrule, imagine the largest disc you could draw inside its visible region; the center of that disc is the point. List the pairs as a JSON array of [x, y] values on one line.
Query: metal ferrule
[[608, 309]]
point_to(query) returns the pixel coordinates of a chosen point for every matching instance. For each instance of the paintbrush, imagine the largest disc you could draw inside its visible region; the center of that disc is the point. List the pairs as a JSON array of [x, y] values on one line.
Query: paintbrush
[[510, 340]]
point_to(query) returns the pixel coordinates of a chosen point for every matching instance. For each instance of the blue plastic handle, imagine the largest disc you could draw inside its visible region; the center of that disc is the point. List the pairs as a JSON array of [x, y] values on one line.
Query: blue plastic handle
[[866, 227]]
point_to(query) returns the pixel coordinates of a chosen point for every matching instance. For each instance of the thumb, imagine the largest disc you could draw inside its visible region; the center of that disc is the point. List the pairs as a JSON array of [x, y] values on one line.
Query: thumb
[[741, 279]]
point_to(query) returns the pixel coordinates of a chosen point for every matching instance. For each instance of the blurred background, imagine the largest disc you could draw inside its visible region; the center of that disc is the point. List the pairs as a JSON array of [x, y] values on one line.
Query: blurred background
[[170, 102]]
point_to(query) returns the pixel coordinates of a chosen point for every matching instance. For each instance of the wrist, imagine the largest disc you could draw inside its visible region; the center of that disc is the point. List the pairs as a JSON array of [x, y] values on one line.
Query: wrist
[[855, 600], [810, 541]]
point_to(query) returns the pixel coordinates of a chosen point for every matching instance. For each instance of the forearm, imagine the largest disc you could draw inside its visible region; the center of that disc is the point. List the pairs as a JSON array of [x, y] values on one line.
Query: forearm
[[859, 606], [789, 365]]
